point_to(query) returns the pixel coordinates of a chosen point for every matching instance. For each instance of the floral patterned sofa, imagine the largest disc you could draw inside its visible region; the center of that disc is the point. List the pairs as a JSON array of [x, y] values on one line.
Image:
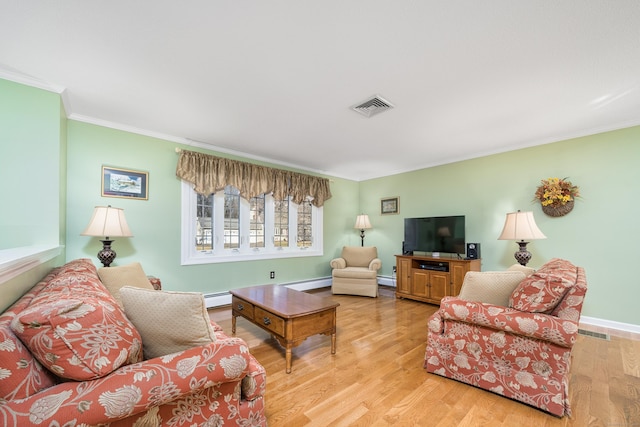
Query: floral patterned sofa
[[69, 356], [522, 351]]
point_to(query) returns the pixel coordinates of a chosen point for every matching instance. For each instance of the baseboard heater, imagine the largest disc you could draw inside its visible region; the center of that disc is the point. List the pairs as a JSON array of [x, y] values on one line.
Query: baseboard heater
[[219, 299]]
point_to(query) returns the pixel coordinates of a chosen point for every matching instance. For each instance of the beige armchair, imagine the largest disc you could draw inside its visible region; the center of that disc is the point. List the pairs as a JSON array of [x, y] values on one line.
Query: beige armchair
[[356, 271]]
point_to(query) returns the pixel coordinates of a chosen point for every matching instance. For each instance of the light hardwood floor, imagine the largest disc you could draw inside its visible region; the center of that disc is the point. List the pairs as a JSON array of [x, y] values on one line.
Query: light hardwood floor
[[376, 376]]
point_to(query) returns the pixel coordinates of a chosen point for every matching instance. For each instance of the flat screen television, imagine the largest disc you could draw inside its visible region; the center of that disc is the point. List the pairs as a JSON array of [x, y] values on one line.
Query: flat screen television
[[445, 234]]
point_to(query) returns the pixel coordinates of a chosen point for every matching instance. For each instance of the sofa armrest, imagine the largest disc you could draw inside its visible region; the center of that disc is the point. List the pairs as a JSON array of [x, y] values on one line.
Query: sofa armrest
[[540, 326], [255, 383], [375, 264], [436, 323], [135, 388], [338, 263]]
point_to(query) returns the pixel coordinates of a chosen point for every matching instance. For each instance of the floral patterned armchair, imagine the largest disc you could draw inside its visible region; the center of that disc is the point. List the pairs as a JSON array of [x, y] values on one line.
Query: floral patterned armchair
[[523, 351]]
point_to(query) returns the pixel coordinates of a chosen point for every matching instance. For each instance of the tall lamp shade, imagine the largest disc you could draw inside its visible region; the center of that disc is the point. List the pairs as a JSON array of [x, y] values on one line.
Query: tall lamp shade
[[521, 227], [109, 222], [362, 223]]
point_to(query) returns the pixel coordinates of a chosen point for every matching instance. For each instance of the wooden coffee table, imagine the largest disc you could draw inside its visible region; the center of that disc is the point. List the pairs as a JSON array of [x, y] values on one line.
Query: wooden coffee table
[[290, 316]]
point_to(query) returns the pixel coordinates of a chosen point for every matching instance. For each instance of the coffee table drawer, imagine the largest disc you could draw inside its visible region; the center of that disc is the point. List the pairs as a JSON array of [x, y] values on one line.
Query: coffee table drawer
[[269, 321], [242, 307]]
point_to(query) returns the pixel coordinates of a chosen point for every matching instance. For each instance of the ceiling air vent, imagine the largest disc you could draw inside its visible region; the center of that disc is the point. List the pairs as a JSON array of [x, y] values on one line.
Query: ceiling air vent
[[372, 106]]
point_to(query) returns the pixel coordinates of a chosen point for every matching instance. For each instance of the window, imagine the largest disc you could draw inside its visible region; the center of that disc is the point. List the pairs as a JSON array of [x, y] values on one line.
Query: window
[[225, 227], [256, 221], [231, 217], [281, 223], [204, 209], [305, 225]]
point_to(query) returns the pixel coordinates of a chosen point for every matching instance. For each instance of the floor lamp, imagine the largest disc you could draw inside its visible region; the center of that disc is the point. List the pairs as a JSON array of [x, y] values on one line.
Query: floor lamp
[[362, 223]]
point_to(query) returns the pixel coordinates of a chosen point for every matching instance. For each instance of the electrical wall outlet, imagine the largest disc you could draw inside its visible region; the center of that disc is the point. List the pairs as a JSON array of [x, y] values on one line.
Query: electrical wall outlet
[[272, 275], [394, 269]]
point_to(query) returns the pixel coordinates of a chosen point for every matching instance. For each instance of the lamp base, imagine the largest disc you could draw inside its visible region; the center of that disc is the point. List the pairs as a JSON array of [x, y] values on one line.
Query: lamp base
[[106, 255], [362, 238], [522, 255]]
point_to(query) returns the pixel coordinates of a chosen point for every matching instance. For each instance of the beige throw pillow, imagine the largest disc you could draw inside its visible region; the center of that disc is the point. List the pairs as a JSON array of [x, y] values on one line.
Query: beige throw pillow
[[493, 287], [528, 271], [114, 278], [167, 321]]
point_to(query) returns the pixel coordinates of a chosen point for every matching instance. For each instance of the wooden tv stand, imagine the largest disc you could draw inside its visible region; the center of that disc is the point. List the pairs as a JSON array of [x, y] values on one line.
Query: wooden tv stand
[[429, 279]]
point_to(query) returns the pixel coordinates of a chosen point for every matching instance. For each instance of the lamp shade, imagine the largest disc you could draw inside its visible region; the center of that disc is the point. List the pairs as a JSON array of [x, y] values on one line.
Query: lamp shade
[[362, 222], [109, 222], [521, 226]]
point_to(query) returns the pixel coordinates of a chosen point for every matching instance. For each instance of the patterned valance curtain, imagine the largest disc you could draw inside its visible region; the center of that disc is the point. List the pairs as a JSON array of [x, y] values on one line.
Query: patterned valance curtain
[[210, 174]]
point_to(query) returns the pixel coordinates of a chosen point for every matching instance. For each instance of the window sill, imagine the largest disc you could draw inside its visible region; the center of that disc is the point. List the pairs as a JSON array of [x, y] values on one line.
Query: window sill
[[210, 258], [16, 261]]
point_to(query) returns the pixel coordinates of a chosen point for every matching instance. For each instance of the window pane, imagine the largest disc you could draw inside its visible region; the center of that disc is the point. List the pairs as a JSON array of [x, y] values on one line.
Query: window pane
[[256, 222], [304, 225], [231, 217], [204, 218], [281, 224]]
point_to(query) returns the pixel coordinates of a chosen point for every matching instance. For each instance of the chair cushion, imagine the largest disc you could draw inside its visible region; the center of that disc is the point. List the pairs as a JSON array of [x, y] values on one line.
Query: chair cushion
[[114, 278], [355, 273], [79, 339], [493, 287], [357, 256], [544, 289], [168, 321]]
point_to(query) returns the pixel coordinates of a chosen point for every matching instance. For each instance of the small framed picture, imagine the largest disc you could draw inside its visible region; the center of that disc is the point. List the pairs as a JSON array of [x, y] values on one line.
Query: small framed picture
[[390, 206], [125, 183]]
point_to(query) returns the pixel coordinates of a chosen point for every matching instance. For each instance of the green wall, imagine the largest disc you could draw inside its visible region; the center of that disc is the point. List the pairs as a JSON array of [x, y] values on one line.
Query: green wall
[[155, 223], [32, 141], [59, 161], [600, 234], [32, 170]]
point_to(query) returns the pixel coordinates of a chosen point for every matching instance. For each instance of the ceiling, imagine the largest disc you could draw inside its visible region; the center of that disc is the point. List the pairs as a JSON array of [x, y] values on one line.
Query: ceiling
[[275, 80]]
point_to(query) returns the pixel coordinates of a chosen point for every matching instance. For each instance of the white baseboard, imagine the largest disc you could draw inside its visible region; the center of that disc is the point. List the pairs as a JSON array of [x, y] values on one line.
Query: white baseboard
[[387, 281], [224, 298], [217, 300], [610, 324]]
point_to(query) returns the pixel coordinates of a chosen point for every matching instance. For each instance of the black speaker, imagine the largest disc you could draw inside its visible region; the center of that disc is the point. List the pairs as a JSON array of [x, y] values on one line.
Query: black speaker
[[473, 250], [404, 251]]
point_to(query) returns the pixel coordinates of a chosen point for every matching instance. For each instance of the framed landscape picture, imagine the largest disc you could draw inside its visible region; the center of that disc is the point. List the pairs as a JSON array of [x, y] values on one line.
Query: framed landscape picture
[[390, 205], [125, 183]]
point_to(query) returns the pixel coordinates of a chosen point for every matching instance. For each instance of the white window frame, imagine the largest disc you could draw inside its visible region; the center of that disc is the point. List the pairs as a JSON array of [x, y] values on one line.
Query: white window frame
[[191, 256]]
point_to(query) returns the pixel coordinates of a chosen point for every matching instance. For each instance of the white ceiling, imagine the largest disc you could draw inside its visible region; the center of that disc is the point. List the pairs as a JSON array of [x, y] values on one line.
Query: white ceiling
[[275, 80]]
